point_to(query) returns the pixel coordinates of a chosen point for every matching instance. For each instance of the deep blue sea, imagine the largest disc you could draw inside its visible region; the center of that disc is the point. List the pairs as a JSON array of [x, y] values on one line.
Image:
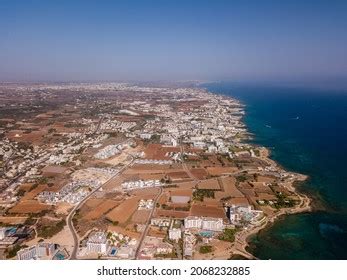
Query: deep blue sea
[[306, 131]]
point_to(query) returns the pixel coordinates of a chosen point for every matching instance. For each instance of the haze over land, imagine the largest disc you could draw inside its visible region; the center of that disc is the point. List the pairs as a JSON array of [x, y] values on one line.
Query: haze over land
[[287, 42]]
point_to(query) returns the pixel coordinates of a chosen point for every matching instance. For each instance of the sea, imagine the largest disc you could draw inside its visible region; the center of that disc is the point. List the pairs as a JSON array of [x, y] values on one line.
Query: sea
[[306, 132]]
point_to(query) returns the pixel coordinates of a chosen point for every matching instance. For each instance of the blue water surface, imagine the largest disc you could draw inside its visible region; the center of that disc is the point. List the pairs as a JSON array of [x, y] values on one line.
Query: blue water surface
[[306, 131]]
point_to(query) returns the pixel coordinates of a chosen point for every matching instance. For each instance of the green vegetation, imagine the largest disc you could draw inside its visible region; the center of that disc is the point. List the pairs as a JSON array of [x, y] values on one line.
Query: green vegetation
[[241, 178], [42, 180], [205, 249], [228, 235], [21, 192], [199, 195], [47, 231], [172, 255], [237, 257], [166, 207], [283, 201], [11, 253], [34, 186]]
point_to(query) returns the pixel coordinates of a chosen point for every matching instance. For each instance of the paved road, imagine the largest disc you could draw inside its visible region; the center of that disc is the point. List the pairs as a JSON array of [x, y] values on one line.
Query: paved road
[[69, 218], [144, 233]]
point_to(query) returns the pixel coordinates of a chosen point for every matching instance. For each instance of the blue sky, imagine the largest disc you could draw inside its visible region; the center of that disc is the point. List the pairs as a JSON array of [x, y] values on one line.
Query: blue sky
[[173, 40]]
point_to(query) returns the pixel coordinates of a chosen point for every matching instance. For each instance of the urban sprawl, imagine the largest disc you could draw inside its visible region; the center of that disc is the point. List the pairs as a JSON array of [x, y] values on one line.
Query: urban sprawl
[[121, 171]]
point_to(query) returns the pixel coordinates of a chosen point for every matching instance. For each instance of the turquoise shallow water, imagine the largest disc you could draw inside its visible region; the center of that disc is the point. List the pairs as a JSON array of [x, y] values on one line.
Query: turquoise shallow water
[[306, 131]]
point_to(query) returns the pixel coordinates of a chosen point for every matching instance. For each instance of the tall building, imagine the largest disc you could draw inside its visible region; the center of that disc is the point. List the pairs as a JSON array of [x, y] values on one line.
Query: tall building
[[97, 243], [39, 251]]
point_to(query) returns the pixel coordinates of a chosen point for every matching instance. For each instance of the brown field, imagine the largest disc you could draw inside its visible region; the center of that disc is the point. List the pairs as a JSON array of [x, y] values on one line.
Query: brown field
[[113, 183], [140, 216], [156, 232], [13, 220], [239, 201], [150, 176], [181, 192], [34, 137], [186, 185], [229, 187], [209, 184], [101, 209], [199, 173], [31, 195], [146, 193], [217, 171], [261, 187], [29, 206], [171, 213], [265, 179], [25, 187], [164, 198], [212, 202], [178, 175], [262, 196], [93, 202], [156, 151], [123, 211], [207, 211]]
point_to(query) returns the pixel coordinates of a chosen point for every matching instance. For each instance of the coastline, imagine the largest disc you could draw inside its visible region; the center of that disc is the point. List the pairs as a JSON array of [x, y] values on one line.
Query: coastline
[[242, 238]]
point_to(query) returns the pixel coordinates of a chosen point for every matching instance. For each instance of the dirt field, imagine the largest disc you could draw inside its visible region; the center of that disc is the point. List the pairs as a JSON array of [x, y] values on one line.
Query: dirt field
[[140, 216], [186, 185], [229, 186], [217, 171], [101, 209], [147, 193], [156, 151], [207, 211], [171, 213], [265, 179], [178, 175], [199, 173], [93, 202], [210, 184], [29, 206], [123, 211], [13, 220]]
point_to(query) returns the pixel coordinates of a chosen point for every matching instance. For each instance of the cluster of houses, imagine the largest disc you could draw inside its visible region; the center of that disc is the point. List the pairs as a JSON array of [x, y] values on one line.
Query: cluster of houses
[[145, 204], [153, 161], [72, 193], [107, 152], [140, 184]]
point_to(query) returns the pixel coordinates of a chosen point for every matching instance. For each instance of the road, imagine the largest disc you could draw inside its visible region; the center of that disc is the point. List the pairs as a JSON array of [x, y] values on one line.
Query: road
[[144, 233], [69, 218]]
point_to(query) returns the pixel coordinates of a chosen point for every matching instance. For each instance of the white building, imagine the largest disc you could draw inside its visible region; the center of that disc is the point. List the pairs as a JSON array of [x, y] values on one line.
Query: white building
[[205, 223], [39, 251], [175, 234], [213, 224], [27, 253], [192, 222], [97, 243]]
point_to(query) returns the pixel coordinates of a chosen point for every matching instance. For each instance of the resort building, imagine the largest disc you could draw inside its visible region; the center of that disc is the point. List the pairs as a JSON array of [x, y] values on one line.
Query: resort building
[[97, 243]]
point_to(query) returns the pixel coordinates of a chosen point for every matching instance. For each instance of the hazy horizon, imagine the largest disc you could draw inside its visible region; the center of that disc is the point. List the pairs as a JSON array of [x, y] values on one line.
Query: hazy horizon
[[278, 42]]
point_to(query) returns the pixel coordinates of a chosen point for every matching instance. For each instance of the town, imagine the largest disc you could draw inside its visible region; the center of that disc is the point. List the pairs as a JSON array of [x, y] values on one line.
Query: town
[[122, 171]]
